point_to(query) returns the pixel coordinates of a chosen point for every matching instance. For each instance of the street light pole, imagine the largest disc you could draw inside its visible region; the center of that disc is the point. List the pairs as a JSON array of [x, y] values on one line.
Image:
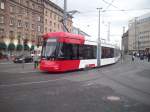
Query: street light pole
[[23, 54], [99, 41], [122, 46]]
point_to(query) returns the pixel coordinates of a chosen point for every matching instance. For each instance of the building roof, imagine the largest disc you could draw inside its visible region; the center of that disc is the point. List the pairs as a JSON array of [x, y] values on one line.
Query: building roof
[[55, 6]]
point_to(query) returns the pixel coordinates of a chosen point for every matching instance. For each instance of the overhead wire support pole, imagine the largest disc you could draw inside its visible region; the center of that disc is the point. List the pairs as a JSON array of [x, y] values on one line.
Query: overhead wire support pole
[[99, 41], [65, 15]]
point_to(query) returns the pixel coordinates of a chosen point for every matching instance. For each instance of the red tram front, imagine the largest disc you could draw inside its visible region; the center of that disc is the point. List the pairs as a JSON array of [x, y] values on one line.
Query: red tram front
[[58, 52]]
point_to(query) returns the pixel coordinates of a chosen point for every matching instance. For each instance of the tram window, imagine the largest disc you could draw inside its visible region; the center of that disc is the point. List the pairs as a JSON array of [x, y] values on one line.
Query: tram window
[[76, 51], [68, 51], [81, 50], [94, 52], [107, 52], [87, 52]]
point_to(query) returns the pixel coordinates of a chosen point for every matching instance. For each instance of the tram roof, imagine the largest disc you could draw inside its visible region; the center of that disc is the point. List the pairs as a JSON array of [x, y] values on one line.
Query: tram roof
[[63, 34], [65, 37], [74, 38]]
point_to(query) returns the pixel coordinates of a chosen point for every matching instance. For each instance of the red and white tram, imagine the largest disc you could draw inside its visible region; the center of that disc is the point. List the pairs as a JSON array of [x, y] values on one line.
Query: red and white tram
[[63, 51]]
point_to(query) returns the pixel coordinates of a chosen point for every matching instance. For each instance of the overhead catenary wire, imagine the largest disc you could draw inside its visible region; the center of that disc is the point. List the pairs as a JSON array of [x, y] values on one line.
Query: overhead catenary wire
[[109, 4]]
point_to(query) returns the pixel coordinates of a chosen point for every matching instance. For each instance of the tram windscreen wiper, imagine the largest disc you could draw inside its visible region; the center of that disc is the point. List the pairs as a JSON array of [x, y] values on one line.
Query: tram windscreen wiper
[[50, 57]]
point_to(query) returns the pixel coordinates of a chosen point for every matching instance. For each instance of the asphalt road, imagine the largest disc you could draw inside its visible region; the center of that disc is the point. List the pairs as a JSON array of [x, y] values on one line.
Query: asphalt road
[[121, 87]]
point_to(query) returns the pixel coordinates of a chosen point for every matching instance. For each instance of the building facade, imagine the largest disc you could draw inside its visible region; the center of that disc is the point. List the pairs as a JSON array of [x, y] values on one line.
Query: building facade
[[23, 22], [139, 33], [53, 16]]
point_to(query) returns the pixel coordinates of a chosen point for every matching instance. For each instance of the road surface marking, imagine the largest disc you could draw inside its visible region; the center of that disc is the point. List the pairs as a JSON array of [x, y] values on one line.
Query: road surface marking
[[29, 83]]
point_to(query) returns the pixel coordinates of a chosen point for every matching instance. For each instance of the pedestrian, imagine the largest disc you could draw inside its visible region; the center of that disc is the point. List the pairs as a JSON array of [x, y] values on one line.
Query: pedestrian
[[141, 56], [133, 57], [36, 59], [148, 56]]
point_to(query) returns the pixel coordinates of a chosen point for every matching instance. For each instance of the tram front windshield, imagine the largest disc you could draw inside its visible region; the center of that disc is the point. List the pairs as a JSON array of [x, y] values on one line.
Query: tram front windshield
[[49, 48]]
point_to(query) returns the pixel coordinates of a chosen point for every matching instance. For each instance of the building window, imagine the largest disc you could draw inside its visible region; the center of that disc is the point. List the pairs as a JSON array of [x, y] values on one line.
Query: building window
[[20, 10], [11, 34], [19, 23], [33, 15], [33, 6], [19, 36], [50, 15], [58, 18], [26, 24], [54, 17], [39, 28], [27, 36], [11, 8], [32, 26], [39, 8], [19, 1], [45, 29], [11, 21], [27, 3], [1, 31], [1, 19], [58, 26], [26, 12], [46, 21], [39, 18], [54, 25], [2, 5], [33, 37], [50, 23], [46, 12]]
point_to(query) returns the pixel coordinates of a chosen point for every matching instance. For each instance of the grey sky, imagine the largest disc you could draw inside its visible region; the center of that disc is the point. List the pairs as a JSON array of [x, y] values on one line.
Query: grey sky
[[87, 19]]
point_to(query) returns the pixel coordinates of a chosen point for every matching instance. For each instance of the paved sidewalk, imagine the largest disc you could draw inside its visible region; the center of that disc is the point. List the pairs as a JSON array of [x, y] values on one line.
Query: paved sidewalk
[[11, 67], [128, 59], [5, 61]]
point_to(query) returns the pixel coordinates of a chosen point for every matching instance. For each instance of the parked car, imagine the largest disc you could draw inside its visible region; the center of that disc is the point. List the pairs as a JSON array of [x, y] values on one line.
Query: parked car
[[27, 59]]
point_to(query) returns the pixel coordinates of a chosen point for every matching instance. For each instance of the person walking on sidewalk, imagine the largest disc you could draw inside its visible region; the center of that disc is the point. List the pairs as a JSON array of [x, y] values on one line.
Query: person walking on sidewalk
[[148, 56], [36, 60], [133, 57]]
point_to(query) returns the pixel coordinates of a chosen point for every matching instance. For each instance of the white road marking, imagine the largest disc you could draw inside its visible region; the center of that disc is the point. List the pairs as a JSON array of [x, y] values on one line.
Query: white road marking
[[5, 63], [29, 83], [28, 71]]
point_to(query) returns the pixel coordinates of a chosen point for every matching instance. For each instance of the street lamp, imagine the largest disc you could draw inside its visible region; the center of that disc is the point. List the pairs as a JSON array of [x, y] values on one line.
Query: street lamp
[[23, 52], [99, 41]]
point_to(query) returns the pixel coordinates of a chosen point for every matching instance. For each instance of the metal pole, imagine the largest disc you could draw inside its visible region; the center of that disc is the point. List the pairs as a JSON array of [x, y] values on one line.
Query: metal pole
[[122, 46], [99, 42], [135, 34], [108, 35], [65, 15], [23, 55]]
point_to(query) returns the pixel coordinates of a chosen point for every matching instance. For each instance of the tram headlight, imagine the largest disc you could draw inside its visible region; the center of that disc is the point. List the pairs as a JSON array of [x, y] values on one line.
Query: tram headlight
[[56, 67]]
